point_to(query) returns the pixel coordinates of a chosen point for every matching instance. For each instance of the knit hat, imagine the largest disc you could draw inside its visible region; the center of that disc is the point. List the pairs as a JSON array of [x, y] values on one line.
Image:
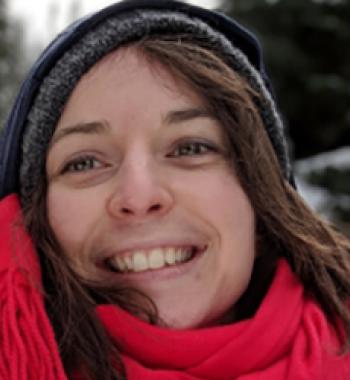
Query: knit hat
[[105, 37]]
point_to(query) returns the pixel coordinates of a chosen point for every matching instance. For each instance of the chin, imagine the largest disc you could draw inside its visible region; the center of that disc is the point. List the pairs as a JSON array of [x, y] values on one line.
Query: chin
[[187, 322]]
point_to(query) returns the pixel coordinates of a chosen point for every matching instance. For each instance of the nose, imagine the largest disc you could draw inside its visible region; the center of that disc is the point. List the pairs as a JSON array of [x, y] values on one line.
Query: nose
[[139, 192]]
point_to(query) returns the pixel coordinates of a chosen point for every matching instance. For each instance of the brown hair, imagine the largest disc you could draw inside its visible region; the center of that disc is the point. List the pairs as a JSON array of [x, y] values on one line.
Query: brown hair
[[286, 227]]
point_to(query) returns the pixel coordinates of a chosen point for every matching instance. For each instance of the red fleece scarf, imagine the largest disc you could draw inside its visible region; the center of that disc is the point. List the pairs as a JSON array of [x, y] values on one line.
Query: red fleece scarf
[[289, 338]]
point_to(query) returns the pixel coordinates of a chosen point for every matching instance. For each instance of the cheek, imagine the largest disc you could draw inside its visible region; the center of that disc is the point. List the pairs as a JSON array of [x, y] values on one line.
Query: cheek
[[71, 216], [219, 197], [235, 218], [220, 201]]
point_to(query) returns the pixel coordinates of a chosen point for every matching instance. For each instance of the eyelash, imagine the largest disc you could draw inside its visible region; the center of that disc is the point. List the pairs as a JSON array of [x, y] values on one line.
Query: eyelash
[[73, 166], [194, 148], [198, 151]]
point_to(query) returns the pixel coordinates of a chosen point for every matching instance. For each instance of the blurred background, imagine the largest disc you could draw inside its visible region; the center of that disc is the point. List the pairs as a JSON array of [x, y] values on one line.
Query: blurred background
[[307, 54]]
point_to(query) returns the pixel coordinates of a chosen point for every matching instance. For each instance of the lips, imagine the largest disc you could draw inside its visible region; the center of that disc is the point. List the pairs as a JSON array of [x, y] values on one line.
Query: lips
[[142, 260]]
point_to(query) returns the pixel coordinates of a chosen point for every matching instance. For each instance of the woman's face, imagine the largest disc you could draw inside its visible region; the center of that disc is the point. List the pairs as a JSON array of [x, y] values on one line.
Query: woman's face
[[140, 192]]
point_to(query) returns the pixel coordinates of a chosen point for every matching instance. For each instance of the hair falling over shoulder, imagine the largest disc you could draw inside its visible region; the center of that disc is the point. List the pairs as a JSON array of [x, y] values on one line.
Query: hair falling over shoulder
[[286, 227]]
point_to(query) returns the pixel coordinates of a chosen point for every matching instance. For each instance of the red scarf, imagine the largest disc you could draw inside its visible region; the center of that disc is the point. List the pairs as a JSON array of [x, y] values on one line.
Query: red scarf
[[289, 338]]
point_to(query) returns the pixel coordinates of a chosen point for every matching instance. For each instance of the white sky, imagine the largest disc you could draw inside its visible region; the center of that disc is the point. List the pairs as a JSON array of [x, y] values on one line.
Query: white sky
[[41, 28]]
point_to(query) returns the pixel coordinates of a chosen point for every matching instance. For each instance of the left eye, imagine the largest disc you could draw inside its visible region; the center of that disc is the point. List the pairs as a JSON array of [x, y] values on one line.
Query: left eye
[[192, 149], [81, 164]]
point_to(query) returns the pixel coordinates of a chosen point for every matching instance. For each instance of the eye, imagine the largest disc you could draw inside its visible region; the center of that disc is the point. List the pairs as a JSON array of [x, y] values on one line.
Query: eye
[[81, 164], [192, 148]]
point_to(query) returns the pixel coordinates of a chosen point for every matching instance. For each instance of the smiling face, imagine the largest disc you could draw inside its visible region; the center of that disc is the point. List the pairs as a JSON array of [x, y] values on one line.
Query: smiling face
[[140, 192]]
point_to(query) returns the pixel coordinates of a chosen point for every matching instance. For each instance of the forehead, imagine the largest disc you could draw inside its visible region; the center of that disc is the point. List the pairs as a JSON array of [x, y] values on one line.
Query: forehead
[[131, 63], [123, 82]]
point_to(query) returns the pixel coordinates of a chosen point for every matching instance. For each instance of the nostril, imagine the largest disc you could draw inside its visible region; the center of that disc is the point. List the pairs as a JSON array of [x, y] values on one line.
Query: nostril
[[126, 211], [156, 207], [129, 211]]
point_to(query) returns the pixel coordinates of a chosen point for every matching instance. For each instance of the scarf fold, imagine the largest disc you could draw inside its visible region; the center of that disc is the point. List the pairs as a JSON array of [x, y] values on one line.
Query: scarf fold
[[289, 337]]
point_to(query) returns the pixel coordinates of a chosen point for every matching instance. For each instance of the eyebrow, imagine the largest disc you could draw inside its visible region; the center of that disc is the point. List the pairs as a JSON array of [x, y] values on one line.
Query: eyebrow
[[99, 127], [180, 116], [94, 127]]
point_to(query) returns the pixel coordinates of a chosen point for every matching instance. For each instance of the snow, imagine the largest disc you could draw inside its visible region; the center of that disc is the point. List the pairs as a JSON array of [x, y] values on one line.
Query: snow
[[318, 198]]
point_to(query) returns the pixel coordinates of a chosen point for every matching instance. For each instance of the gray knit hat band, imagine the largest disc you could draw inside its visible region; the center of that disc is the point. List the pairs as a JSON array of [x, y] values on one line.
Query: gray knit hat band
[[106, 37]]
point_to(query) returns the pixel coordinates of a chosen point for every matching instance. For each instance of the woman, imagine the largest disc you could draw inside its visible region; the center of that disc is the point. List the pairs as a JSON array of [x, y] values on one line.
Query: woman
[[150, 226]]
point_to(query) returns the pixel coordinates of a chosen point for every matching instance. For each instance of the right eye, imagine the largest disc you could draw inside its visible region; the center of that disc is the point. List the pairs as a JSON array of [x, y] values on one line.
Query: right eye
[[81, 164]]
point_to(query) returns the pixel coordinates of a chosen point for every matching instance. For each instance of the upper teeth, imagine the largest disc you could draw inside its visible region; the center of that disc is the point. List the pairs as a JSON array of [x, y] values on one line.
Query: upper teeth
[[156, 258]]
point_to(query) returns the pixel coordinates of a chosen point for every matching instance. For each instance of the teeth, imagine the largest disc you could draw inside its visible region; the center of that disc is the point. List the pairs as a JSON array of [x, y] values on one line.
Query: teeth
[[157, 258], [139, 261], [128, 262], [170, 256], [121, 264], [178, 256]]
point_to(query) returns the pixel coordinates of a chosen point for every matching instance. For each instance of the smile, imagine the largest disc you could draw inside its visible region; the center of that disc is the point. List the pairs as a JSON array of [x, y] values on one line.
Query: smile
[[151, 259]]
